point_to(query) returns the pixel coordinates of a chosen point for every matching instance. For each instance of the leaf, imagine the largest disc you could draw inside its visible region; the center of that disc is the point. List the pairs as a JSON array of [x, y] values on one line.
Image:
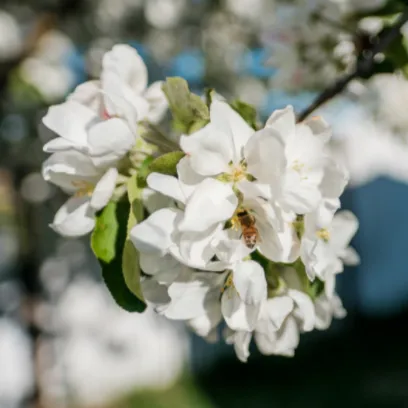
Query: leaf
[[167, 163], [247, 112], [105, 233], [316, 288], [130, 257], [108, 242], [313, 289], [188, 109], [143, 172], [135, 200], [151, 134]]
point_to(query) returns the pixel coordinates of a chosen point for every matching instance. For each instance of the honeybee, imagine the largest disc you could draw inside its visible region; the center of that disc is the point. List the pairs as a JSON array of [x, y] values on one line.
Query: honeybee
[[248, 228]]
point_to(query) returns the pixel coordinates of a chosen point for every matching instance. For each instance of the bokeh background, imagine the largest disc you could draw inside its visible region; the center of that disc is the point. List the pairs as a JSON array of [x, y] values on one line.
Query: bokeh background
[[64, 342]]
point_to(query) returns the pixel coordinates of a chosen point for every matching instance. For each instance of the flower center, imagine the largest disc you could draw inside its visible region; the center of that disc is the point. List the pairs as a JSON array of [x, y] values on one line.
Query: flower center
[[238, 173], [235, 174], [298, 166], [84, 188], [323, 234]]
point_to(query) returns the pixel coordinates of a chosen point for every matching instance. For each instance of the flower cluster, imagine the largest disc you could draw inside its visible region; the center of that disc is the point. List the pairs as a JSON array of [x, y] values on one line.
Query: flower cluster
[[97, 129], [246, 234], [313, 42], [252, 237]]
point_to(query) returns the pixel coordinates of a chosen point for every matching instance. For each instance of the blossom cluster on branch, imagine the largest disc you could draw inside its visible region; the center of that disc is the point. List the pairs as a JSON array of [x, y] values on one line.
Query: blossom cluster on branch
[[221, 222]]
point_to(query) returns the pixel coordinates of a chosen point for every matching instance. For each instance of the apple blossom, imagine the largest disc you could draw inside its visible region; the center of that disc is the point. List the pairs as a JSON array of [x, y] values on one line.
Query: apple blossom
[[325, 248], [91, 188]]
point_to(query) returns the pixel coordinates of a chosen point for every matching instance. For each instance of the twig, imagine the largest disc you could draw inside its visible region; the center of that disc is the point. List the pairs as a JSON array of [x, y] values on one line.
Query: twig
[[365, 66]]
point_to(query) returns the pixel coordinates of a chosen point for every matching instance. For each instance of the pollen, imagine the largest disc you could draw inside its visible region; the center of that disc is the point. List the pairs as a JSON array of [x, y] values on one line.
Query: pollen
[[238, 174], [298, 166], [228, 283], [323, 234], [84, 188], [235, 224]]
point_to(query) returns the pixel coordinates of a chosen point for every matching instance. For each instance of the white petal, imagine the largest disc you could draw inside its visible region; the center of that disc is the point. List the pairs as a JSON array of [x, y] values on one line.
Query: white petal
[[167, 185], [338, 310], [188, 297], [104, 189], [283, 121], [350, 257], [212, 202], [319, 127], [344, 227], [283, 342], [229, 247], [70, 120], [291, 278], [89, 94], [249, 281], [237, 314], [278, 239], [253, 190], [125, 61], [188, 178], [205, 324], [305, 310], [60, 144], [154, 201], [209, 150], [269, 243], [231, 125], [335, 179], [75, 218], [122, 102], [329, 286], [155, 233], [157, 102], [324, 214], [299, 194], [154, 292], [265, 157], [196, 248], [65, 169], [275, 310], [109, 141], [165, 269], [241, 345]]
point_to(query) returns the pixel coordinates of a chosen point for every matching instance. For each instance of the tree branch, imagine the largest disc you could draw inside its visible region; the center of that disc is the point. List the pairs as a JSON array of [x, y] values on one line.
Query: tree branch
[[365, 66]]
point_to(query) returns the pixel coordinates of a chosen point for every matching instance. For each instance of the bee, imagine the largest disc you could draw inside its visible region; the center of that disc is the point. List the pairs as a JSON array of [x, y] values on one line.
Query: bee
[[248, 228]]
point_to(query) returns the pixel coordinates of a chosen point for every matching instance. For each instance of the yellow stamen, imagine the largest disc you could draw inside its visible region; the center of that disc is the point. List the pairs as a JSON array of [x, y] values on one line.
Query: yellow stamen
[[84, 188], [323, 234], [228, 283]]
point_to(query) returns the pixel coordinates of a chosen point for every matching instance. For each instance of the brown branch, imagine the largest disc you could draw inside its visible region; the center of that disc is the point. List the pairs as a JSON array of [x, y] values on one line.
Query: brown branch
[[364, 68]]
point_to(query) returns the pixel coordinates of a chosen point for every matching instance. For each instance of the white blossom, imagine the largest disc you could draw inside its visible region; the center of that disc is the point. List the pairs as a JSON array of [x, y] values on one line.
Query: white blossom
[[91, 188], [282, 318], [325, 248]]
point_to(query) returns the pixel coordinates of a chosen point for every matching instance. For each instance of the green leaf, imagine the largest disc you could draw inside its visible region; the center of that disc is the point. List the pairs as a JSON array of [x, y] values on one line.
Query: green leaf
[[151, 134], [167, 163], [313, 289], [247, 112], [143, 172], [188, 109], [108, 242], [130, 257], [103, 240]]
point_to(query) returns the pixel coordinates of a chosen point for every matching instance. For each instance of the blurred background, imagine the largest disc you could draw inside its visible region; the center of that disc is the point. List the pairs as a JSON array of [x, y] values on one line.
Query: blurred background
[[63, 341]]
